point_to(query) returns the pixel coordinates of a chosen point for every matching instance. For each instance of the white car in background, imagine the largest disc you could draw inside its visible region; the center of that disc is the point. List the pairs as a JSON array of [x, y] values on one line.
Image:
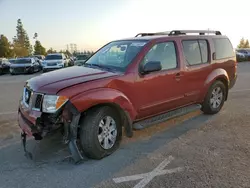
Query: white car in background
[[54, 61]]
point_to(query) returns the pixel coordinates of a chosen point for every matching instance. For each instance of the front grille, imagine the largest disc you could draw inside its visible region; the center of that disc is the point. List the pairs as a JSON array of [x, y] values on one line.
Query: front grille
[[38, 101], [33, 100], [51, 64], [19, 69]]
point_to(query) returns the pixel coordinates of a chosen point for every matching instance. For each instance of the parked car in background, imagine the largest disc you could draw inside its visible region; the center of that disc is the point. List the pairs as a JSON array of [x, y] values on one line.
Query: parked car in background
[[24, 65], [54, 61], [71, 61], [4, 65], [129, 84], [243, 54], [40, 57], [12, 60], [80, 59]]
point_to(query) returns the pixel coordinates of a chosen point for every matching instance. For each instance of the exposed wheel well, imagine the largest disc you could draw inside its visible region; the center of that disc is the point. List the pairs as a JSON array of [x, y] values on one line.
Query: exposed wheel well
[[225, 82]]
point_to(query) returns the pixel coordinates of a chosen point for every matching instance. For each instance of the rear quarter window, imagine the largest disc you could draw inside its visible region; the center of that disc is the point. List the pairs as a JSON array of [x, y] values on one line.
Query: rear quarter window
[[223, 48]]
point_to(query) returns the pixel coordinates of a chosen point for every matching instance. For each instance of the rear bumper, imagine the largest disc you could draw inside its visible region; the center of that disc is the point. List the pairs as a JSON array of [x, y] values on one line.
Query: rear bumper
[[232, 82]]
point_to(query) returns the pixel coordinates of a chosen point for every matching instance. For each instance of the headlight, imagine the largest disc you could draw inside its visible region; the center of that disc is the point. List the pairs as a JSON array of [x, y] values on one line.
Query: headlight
[[51, 103]]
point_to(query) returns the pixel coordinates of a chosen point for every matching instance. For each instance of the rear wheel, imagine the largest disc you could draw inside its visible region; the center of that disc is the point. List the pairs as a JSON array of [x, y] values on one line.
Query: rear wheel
[[215, 98], [101, 132]]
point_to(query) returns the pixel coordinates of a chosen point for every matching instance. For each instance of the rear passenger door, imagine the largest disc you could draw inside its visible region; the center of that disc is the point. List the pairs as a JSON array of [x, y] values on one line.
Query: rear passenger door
[[197, 63]]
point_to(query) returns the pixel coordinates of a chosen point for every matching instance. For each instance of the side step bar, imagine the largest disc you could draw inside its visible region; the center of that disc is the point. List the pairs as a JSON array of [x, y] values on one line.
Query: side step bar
[[164, 117]]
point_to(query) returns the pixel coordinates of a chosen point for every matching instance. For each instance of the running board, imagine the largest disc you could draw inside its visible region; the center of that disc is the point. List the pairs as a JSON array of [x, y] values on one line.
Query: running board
[[164, 117]]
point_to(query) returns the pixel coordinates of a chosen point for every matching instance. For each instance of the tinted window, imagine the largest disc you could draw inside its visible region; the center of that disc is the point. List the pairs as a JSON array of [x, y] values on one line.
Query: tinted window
[[163, 52], [22, 61], [223, 48], [82, 57], [52, 57], [204, 50], [192, 52]]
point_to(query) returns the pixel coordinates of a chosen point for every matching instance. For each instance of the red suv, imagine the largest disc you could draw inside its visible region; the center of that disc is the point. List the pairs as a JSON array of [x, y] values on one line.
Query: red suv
[[131, 83]]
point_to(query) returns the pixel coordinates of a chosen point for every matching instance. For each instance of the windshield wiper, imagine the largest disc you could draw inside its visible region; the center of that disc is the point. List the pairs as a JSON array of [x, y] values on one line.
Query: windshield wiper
[[100, 66]]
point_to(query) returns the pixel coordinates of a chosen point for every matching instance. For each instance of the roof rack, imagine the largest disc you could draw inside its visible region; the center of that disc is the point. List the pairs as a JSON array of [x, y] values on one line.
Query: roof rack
[[201, 32], [152, 34], [180, 32]]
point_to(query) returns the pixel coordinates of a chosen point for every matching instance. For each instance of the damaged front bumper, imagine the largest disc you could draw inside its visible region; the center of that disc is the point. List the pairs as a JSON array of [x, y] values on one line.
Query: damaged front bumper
[[39, 124]]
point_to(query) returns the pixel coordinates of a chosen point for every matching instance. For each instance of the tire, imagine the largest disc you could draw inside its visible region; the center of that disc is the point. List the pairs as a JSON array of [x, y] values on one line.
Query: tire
[[90, 130], [33, 70], [208, 106]]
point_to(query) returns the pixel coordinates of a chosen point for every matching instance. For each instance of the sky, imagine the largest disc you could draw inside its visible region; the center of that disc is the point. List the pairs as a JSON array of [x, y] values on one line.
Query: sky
[[91, 24]]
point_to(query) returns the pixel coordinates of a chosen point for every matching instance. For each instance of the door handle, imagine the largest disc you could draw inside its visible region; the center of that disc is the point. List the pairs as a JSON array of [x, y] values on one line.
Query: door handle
[[178, 76]]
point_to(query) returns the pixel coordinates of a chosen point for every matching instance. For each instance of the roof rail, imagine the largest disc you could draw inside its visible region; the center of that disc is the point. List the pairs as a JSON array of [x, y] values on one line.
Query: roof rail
[[152, 34], [201, 32], [180, 32]]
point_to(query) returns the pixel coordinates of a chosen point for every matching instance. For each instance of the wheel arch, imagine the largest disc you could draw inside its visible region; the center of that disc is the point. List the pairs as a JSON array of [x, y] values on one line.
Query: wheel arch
[[216, 75], [107, 97], [125, 118]]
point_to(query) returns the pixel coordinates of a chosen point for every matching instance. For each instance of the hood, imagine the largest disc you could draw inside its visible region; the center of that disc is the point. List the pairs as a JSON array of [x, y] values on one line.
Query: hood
[[20, 65], [53, 82]]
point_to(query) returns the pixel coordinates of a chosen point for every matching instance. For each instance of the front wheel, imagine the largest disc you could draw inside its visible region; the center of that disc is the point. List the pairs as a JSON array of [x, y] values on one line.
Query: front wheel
[[101, 132], [215, 98]]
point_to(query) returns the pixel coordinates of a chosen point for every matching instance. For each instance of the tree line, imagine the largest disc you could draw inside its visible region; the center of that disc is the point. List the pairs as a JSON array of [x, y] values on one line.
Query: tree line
[[21, 47], [244, 43]]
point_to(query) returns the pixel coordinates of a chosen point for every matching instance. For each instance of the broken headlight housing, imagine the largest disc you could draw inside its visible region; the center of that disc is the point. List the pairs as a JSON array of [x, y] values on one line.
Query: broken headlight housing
[[51, 103]]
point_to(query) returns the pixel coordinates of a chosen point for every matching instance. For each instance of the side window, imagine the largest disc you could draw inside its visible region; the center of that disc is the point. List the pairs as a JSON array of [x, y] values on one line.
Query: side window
[[165, 53], [192, 52], [204, 50], [195, 51], [223, 48]]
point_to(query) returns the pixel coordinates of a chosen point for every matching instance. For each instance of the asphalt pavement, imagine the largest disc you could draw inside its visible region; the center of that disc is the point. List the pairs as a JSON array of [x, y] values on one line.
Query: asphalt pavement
[[194, 150]]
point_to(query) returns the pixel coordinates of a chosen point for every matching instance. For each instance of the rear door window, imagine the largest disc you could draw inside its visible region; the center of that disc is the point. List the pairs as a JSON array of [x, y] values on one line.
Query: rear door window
[[223, 48], [195, 51]]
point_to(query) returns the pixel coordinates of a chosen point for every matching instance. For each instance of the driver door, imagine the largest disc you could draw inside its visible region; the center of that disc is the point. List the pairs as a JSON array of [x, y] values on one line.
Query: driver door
[[160, 91]]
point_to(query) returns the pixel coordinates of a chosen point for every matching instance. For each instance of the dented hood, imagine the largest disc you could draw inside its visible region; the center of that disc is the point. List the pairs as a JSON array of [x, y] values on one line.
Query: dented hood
[[53, 82]]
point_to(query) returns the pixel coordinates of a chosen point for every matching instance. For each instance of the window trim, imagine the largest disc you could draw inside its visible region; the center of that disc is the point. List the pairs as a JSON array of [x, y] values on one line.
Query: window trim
[[208, 51], [163, 70], [223, 57]]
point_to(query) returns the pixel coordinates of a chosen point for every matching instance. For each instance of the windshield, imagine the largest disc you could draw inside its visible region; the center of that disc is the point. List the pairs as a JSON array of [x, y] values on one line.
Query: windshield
[[22, 61], [82, 57], [116, 55], [53, 57]]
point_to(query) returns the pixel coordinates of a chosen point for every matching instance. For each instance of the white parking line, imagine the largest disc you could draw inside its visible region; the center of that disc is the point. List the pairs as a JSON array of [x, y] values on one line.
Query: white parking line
[[7, 113], [147, 177]]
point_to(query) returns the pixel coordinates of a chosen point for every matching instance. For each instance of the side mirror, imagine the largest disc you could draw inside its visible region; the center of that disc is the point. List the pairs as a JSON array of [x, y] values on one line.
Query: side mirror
[[151, 66]]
